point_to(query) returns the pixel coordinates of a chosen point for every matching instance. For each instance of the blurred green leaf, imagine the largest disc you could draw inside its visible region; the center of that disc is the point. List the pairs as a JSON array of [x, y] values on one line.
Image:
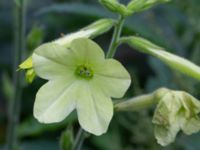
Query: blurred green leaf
[[39, 145], [75, 8], [67, 139], [109, 141], [7, 86], [35, 38], [162, 76], [31, 127], [17, 2]]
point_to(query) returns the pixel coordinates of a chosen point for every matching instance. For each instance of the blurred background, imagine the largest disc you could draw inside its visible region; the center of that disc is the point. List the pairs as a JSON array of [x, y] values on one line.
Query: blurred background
[[175, 26]]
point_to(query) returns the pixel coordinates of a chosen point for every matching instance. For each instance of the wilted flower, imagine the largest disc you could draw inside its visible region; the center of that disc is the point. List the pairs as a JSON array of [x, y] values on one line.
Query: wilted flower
[[176, 111], [79, 78]]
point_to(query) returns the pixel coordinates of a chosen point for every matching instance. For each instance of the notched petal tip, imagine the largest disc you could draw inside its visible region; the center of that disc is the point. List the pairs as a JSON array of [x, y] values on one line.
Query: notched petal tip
[[94, 109]]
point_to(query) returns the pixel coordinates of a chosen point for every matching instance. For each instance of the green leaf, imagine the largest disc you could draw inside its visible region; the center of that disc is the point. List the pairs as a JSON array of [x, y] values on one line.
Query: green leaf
[[175, 62]]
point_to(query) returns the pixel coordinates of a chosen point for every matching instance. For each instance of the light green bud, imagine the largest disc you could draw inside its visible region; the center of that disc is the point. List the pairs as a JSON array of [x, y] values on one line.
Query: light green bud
[[115, 6], [141, 5], [175, 62]]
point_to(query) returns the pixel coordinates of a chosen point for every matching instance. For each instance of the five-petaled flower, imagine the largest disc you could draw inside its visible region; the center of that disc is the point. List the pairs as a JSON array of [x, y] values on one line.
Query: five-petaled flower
[[79, 77]]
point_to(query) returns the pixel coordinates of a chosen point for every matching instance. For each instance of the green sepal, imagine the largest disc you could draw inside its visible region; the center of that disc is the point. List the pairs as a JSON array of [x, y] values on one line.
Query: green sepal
[[175, 62], [27, 64], [30, 75]]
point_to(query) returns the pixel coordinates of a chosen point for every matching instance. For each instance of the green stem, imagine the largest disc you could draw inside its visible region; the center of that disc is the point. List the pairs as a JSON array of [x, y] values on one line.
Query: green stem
[[15, 103], [115, 39], [141, 102], [136, 103], [79, 140]]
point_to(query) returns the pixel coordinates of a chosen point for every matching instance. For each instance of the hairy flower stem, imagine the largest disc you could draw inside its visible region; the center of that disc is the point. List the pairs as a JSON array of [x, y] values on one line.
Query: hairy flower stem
[[136, 103], [141, 102], [14, 104], [115, 39], [79, 140]]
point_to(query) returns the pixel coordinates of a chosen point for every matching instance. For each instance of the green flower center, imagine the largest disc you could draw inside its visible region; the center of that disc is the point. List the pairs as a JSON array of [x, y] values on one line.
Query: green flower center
[[84, 71]]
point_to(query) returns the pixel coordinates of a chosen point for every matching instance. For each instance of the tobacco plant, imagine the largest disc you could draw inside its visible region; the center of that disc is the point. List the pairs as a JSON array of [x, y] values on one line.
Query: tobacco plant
[[81, 77]]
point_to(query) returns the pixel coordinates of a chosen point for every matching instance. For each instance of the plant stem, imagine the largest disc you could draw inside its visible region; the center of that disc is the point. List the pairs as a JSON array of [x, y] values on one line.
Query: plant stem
[[141, 102], [15, 103], [116, 35], [136, 103], [79, 140]]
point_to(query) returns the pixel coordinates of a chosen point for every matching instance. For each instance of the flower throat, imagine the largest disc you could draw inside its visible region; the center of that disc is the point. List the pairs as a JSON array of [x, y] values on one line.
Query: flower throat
[[84, 71]]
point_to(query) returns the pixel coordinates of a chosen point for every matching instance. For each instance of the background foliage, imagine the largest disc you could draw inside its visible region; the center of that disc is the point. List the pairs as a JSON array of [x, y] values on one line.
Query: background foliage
[[174, 26]]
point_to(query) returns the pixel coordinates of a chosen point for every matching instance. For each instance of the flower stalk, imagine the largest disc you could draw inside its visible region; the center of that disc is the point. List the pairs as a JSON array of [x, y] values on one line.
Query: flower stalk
[[14, 104], [141, 102], [116, 35], [136, 103], [79, 139]]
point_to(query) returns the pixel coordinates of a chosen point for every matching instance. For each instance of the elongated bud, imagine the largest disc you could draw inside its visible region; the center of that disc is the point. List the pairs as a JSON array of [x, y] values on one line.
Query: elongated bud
[[141, 5], [93, 30], [175, 62], [115, 6]]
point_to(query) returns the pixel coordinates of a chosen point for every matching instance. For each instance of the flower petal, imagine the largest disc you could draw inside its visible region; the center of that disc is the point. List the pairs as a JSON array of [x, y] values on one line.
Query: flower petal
[[166, 119], [52, 61], [86, 51], [112, 77], [55, 100], [94, 109]]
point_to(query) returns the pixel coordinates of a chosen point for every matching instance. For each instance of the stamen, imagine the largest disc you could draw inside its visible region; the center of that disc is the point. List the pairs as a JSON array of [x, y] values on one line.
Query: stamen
[[84, 71]]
